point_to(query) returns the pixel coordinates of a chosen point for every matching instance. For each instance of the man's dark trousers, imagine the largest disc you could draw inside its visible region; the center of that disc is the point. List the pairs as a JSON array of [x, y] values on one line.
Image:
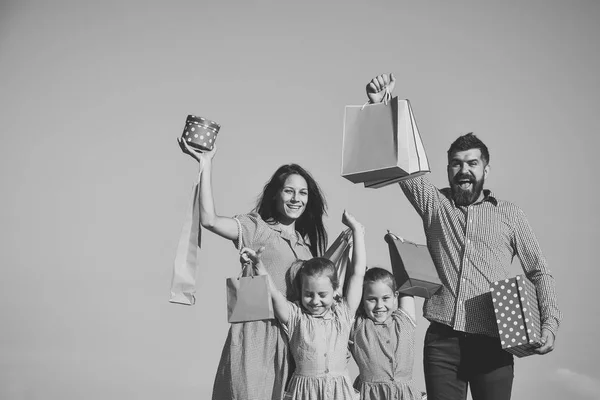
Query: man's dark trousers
[[456, 360]]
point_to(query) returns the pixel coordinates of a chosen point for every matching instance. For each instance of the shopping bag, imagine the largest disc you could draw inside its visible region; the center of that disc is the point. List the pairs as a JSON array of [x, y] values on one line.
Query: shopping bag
[[248, 298], [517, 315], [413, 267], [248, 295], [340, 254], [185, 266], [199, 133], [382, 144]]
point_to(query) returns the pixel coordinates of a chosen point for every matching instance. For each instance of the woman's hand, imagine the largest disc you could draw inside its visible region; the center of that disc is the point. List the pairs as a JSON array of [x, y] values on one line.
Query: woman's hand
[[351, 222], [247, 255], [203, 157], [376, 88]]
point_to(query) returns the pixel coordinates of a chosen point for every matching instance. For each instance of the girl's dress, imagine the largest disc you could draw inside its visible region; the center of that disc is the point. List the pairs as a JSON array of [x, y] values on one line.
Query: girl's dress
[[384, 354], [255, 363], [319, 345]]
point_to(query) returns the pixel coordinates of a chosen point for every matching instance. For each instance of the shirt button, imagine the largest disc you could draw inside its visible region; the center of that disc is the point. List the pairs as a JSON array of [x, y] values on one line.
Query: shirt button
[[470, 220], [464, 279]]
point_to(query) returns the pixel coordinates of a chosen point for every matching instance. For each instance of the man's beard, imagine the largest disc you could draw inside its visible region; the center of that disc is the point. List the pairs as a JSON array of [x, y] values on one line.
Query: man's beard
[[466, 197]]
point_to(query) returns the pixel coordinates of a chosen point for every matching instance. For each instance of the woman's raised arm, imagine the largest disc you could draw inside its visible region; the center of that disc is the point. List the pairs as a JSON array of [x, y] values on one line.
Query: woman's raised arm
[[222, 226]]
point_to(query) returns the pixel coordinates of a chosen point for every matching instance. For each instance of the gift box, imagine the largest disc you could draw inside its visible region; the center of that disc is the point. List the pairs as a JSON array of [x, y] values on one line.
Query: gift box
[[517, 314], [381, 144], [413, 267], [200, 133]]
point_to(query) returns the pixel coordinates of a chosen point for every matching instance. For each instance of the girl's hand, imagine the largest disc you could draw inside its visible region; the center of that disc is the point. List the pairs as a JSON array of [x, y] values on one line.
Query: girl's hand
[[376, 88], [248, 255], [351, 222], [202, 157]]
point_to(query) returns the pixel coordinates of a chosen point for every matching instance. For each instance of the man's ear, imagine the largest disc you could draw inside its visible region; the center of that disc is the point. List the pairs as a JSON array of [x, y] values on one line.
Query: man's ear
[[486, 170]]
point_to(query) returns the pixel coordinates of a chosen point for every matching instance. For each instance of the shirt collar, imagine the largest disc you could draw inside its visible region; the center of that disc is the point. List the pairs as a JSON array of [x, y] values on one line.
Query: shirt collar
[[489, 196], [327, 315], [388, 321], [384, 323], [297, 237]]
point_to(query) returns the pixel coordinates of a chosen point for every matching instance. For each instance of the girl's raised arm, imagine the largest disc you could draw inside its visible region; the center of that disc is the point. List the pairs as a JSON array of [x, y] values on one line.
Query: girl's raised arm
[[407, 304], [222, 226], [280, 303], [359, 262]]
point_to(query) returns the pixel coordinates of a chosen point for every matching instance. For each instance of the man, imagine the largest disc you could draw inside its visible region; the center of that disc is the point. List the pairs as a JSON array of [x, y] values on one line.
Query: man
[[473, 237]]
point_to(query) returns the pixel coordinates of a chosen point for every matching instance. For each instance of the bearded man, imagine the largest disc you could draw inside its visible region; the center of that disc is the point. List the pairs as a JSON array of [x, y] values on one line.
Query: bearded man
[[472, 237]]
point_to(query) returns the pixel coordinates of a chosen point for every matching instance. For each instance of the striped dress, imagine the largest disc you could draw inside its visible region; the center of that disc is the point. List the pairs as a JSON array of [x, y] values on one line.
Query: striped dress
[[255, 363], [384, 353]]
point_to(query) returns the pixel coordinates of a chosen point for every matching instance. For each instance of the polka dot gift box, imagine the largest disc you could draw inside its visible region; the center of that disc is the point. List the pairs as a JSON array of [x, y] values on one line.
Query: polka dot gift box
[[517, 314], [200, 133]]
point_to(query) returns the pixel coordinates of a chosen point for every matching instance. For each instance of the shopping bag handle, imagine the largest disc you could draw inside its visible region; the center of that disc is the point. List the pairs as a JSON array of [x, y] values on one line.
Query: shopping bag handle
[[395, 237], [387, 96], [245, 266], [239, 243]]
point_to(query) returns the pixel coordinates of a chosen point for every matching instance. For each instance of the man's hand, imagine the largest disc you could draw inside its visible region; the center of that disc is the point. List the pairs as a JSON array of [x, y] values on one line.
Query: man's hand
[[547, 342], [376, 88]]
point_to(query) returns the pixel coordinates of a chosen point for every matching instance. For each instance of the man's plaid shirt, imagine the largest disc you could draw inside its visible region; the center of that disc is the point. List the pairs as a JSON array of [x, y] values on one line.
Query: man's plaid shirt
[[472, 247]]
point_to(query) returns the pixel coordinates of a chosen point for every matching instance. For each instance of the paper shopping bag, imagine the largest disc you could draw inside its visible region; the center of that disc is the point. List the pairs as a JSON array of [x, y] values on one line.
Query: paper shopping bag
[[185, 266], [413, 267], [517, 314], [249, 299], [381, 144], [248, 296], [340, 254]]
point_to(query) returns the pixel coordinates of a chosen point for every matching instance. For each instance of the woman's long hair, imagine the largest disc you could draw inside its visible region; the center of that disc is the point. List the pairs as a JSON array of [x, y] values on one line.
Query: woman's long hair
[[310, 223]]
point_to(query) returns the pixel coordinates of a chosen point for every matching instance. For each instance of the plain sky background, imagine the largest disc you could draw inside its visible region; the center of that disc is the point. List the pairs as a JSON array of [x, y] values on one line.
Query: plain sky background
[[95, 188]]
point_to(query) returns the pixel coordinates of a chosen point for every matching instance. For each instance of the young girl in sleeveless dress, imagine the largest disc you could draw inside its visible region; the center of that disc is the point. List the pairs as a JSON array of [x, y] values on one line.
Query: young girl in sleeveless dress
[[318, 327], [382, 341]]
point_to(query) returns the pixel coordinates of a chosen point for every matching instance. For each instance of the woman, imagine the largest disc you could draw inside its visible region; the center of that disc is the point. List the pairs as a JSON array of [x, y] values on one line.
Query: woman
[[288, 221]]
